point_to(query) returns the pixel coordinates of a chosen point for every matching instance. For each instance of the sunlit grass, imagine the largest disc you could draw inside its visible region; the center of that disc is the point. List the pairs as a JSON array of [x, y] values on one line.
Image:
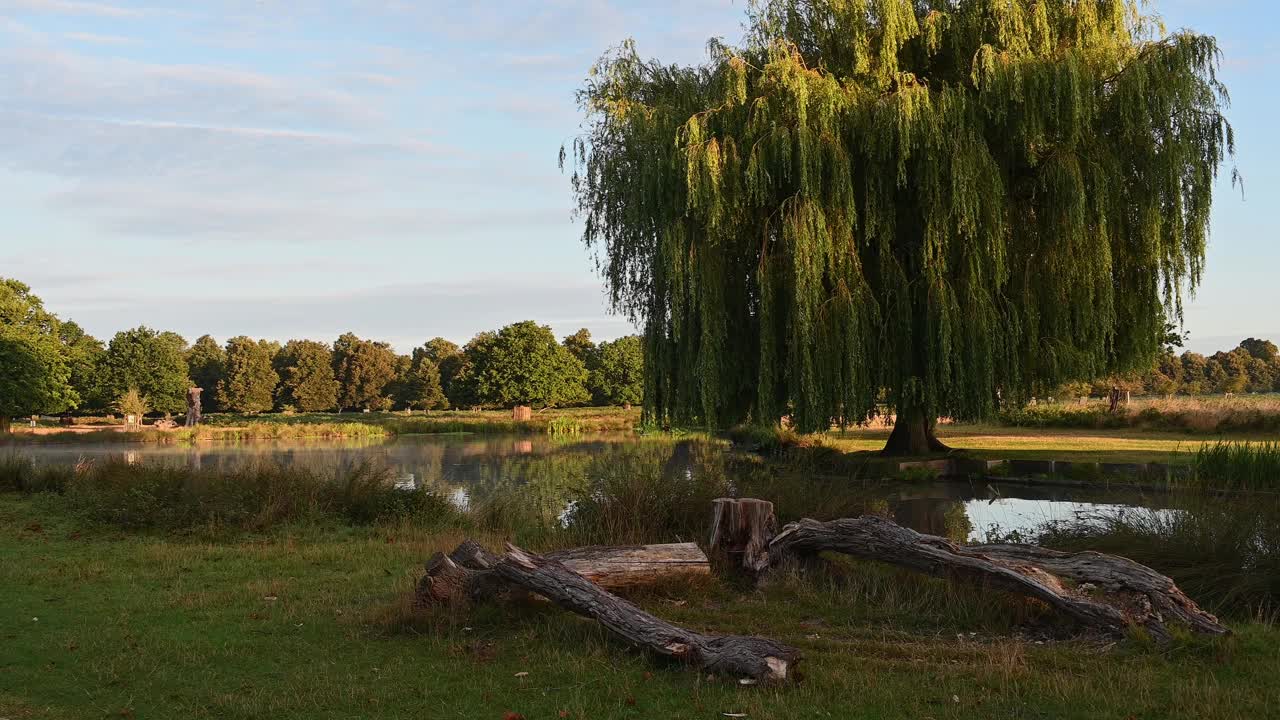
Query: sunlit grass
[[996, 442]]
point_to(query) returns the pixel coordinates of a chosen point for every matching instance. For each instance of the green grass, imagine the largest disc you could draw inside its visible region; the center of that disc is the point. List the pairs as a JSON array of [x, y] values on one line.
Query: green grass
[[307, 622]]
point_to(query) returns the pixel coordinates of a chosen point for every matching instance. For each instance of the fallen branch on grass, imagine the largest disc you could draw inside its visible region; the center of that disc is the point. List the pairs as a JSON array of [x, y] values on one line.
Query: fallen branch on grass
[[738, 655], [1101, 592]]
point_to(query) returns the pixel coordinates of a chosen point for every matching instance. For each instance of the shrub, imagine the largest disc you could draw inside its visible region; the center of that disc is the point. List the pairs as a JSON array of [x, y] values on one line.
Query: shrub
[[133, 402]]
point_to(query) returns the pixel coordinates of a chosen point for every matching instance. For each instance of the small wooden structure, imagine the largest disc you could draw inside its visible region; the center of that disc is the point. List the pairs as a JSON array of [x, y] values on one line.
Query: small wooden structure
[[522, 413]]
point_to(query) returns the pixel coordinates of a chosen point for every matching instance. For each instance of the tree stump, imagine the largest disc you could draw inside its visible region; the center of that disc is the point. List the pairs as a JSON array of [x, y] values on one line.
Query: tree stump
[[741, 529], [1101, 592], [193, 406], [522, 413], [737, 655], [466, 574]]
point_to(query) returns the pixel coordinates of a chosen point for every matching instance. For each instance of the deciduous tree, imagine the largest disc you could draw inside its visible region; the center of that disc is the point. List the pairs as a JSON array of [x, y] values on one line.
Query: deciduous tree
[[583, 348], [84, 354], [364, 369], [419, 387], [1263, 350], [34, 377], [618, 375], [152, 362], [929, 204], [250, 382], [307, 382], [522, 364], [207, 368], [449, 359]]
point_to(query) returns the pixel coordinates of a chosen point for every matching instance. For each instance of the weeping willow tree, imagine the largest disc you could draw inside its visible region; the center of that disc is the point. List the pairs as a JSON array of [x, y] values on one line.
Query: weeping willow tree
[[920, 207]]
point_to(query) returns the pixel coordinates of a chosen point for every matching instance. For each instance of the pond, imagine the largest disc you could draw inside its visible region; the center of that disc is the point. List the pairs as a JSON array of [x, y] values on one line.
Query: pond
[[545, 471]]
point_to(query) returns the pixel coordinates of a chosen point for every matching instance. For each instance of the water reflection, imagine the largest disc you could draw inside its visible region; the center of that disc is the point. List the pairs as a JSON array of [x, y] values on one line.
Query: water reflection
[[667, 483]]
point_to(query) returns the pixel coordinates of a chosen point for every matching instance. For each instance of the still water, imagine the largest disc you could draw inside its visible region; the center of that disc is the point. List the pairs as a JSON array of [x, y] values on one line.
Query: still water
[[468, 468]]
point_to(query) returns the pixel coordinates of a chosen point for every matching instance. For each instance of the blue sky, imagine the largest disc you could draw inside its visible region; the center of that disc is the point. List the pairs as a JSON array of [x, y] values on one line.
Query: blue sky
[[300, 169]]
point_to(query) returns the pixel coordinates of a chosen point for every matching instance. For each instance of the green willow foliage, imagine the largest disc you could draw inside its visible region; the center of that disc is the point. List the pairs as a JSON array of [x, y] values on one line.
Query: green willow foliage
[[930, 204]]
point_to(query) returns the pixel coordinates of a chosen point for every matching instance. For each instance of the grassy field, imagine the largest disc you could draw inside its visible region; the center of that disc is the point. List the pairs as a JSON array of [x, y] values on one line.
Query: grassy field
[[1001, 442], [312, 621]]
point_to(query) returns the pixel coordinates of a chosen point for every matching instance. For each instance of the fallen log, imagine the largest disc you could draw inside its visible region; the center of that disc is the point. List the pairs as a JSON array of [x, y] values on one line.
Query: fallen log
[[1132, 594], [737, 655], [1115, 575], [466, 574]]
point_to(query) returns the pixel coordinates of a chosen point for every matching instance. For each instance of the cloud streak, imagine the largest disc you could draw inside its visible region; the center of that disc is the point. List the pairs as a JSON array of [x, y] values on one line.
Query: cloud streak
[[70, 7]]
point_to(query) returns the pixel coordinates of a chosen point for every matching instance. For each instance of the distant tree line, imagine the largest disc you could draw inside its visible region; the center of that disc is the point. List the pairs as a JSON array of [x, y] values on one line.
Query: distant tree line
[[51, 366], [1253, 366]]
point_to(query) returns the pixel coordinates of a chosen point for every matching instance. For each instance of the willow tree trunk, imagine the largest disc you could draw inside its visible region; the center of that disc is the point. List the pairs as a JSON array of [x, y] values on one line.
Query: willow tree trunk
[[914, 434]]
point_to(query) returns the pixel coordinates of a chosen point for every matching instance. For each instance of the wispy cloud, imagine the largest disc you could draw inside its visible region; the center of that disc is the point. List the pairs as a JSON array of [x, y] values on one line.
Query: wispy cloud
[[70, 7], [96, 39]]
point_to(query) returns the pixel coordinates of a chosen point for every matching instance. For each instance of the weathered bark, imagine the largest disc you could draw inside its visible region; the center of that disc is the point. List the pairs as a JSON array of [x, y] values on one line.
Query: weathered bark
[[1132, 594], [741, 529], [634, 566], [6, 425], [738, 655], [1115, 575], [466, 574], [913, 434], [459, 577]]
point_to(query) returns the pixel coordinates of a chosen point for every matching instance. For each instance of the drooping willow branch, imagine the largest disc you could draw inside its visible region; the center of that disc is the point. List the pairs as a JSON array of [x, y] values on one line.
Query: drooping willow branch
[[872, 202]]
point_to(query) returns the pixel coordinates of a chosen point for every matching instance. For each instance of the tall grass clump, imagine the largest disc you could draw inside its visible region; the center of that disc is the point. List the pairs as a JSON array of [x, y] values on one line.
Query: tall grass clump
[[1237, 466], [254, 498], [658, 493], [21, 474], [564, 426]]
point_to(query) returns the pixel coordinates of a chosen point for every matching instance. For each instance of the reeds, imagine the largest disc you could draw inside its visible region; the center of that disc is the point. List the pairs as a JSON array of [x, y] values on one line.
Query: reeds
[[1250, 466]]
